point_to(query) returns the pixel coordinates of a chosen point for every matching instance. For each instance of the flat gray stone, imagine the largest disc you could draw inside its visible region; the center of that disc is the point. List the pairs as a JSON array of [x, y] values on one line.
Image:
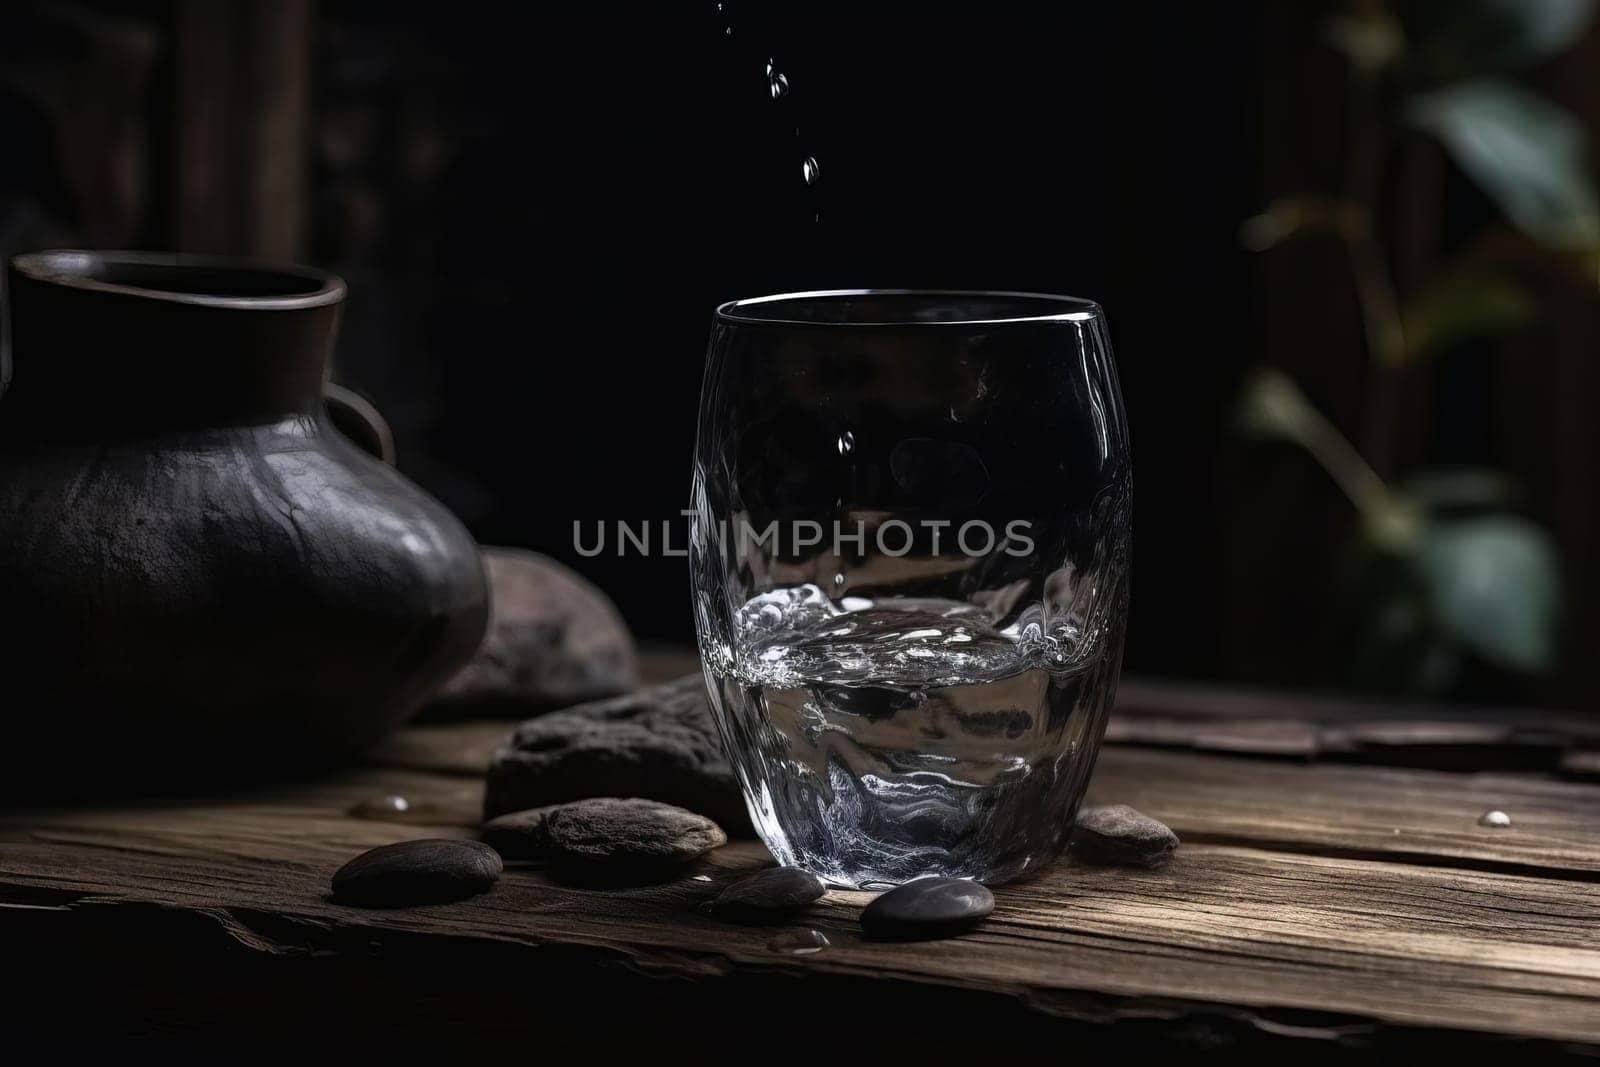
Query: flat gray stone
[[427, 871], [927, 908], [622, 840], [554, 640], [767, 896], [1117, 835], [658, 743]]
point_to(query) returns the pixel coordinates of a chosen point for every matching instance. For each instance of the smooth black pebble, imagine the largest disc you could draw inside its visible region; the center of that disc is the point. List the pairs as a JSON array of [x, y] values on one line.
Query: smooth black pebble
[[1118, 835], [767, 896], [429, 871], [927, 908]]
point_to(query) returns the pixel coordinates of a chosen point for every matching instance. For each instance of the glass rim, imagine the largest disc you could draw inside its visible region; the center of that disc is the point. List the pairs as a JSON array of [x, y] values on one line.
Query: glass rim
[[1072, 308]]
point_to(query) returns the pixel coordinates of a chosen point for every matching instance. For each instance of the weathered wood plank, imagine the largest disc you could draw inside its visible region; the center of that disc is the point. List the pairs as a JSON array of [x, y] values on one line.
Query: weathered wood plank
[[1311, 900], [1256, 722], [1240, 927], [1412, 815]]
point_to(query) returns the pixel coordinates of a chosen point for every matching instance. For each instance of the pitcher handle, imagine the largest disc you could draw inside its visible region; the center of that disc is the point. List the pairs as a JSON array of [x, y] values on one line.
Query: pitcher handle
[[355, 417]]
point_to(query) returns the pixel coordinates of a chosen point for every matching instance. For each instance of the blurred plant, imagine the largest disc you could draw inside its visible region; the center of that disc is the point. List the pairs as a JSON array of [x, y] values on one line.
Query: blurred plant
[[1442, 570]]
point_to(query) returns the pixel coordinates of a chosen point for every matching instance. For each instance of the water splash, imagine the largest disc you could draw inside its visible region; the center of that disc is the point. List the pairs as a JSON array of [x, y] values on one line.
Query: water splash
[[811, 170]]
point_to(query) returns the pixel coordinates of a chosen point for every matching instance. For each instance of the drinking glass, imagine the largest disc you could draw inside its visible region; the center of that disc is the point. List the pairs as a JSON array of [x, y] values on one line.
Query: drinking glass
[[909, 548]]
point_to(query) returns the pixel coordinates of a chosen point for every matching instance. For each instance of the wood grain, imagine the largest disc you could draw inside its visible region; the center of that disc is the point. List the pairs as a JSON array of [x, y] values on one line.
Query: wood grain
[[1231, 926], [1412, 815], [1311, 903], [1336, 727]]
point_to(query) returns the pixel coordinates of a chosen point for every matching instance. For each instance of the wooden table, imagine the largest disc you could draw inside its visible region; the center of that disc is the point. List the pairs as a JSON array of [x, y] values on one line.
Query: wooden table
[[1334, 893]]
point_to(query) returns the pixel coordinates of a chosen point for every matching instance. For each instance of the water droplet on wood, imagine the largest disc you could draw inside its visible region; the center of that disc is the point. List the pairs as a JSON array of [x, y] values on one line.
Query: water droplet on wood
[[799, 943], [390, 806]]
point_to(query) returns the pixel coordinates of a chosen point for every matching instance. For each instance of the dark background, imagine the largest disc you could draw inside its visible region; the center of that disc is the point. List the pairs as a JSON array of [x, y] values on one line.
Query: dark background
[[538, 206], [630, 171]]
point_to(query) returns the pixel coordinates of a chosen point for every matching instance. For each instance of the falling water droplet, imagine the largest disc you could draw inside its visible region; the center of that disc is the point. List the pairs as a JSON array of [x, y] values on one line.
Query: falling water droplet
[[811, 169], [727, 31], [771, 67], [847, 443], [1499, 820], [779, 86], [799, 943], [838, 581]]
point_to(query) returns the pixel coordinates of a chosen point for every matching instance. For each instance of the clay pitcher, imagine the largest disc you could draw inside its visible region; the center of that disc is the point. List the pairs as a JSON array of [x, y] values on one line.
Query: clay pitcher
[[200, 577]]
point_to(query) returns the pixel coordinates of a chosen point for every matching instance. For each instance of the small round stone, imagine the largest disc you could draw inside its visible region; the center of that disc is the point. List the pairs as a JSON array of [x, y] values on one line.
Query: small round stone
[[927, 908], [1498, 820], [1121, 836], [429, 871], [517, 835], [619, 840], [767, 896]]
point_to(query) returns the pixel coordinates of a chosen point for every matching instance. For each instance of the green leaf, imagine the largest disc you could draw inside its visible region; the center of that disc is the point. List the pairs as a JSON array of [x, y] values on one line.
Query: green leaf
[[1525, 152], [1457, 38], [1484, 586], [1453, 311], [1392, 642], [1494, 586]]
